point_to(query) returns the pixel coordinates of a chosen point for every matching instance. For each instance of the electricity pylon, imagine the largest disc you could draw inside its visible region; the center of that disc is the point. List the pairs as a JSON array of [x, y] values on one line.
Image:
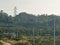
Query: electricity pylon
[[15, 11]]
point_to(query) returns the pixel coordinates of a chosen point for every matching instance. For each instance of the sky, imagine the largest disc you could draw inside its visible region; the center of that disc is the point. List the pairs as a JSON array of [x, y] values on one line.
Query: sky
[[31, 6]]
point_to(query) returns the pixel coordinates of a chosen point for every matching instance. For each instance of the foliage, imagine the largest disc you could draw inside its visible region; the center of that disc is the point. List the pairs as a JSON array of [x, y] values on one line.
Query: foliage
[[1, 43], [23, 24]]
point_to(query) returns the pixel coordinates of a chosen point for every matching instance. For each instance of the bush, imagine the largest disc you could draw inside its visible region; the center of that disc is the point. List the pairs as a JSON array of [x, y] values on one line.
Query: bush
[[1, 43], [19, 44]]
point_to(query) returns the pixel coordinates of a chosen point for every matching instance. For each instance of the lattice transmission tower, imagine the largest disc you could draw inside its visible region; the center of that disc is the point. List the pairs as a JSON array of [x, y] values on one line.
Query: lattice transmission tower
[[15, 11]]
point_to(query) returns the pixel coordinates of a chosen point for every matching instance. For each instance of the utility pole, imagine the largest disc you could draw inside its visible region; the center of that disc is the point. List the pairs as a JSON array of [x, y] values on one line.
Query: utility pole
[[54, 30], [33, 33], [17, 35], [33, 37]]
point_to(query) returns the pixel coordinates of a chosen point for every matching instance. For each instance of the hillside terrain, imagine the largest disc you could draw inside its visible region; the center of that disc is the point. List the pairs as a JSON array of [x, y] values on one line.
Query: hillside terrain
[[20, 28]]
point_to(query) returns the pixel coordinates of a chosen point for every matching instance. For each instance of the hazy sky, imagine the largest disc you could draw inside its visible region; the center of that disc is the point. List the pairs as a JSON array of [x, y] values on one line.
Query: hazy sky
[[31, 6]]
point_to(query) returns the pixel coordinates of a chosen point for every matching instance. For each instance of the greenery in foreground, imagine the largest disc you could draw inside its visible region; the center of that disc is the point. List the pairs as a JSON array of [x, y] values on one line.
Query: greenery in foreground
[[23, 25], [1, 43]]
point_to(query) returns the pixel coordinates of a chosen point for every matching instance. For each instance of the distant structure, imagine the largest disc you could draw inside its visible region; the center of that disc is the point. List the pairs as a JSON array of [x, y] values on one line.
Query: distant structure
[[1, 11], [15, 11]]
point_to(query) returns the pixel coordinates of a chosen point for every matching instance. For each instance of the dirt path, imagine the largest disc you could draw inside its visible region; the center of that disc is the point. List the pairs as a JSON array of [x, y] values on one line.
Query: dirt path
[[5, 43]]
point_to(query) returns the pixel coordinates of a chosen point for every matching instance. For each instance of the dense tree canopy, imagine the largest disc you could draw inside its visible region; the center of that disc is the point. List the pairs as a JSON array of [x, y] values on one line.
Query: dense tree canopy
[[23, 23]]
